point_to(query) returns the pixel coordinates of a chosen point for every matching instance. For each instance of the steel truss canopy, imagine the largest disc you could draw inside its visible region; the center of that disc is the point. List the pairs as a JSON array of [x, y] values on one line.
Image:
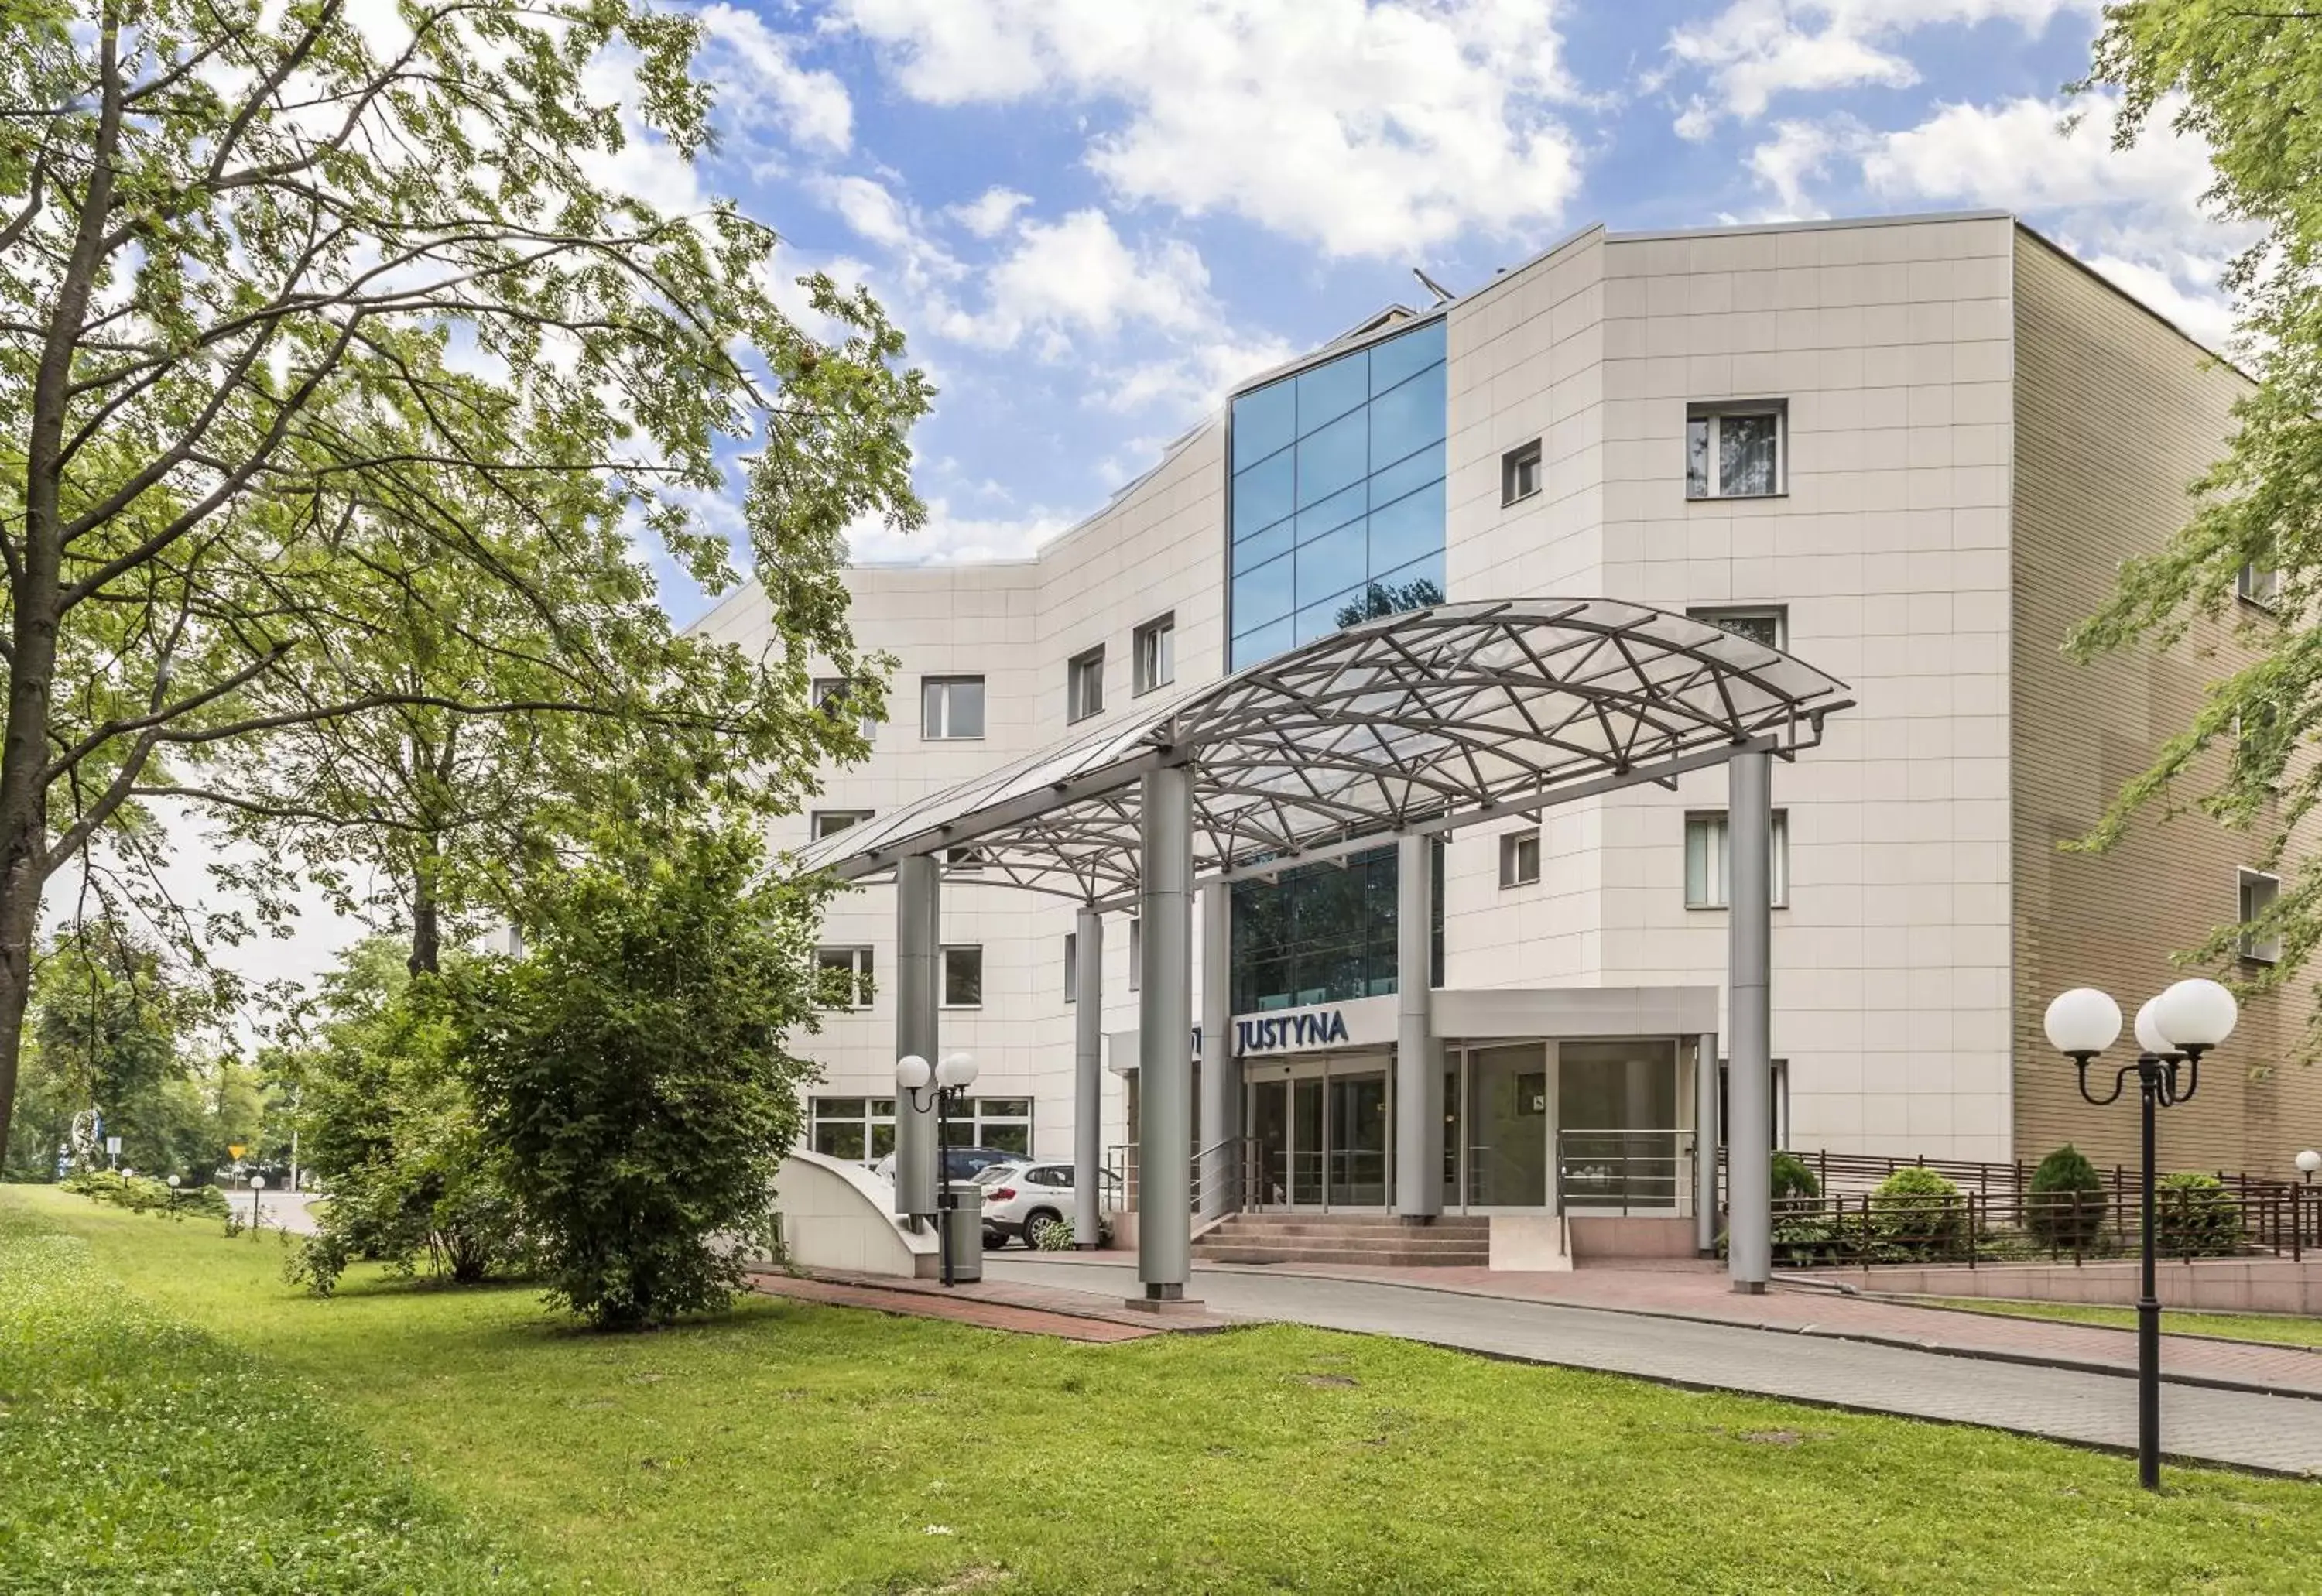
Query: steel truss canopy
[[1420, 722]]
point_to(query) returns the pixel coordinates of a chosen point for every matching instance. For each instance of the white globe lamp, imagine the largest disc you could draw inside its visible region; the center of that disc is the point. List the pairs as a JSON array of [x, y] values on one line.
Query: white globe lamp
[[956, 1071], [2309, 1161], [2150, 1037], [912, 1073], [2083, 1021], [2196, 1015]]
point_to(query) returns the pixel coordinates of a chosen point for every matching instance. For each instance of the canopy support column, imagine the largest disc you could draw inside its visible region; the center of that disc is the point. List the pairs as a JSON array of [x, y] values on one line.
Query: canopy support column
[[1749, 1023], [1164, 1024], [1220, 1178], [1417, 1056], [918, 959], [1088, 1079], [1705, 1144]]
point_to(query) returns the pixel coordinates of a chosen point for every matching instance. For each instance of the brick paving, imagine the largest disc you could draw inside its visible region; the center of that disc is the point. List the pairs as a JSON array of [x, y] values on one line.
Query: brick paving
[[1027, 1307], [1624, 1322]]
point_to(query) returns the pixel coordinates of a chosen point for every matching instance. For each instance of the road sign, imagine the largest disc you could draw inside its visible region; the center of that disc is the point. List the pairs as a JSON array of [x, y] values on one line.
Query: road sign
[[236, 1149], [112, 1147]]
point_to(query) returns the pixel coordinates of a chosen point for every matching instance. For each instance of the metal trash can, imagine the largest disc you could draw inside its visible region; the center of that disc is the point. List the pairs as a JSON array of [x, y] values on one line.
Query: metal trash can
[[963, 1232]]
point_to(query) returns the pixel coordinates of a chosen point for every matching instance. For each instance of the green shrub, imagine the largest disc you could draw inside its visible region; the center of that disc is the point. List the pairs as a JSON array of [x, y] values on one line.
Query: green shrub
[[1917, 1214], [2194, 1216], [1057, 1237], [2065, 1204], [1793, 1179]]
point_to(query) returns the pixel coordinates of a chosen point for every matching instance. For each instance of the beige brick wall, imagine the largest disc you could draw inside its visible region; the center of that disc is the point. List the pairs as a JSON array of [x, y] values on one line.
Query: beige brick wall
[[2116, 413]]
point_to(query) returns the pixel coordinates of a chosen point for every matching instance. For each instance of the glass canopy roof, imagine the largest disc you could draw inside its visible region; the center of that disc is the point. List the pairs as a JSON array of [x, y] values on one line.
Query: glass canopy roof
[[1420, 722]]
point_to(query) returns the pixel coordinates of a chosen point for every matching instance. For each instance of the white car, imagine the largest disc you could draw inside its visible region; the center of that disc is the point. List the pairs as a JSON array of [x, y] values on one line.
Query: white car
[[1025, 1199]]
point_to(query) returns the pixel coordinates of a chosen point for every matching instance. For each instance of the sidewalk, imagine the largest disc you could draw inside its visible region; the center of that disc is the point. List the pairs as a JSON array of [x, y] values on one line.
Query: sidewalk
[[1843, 1352]]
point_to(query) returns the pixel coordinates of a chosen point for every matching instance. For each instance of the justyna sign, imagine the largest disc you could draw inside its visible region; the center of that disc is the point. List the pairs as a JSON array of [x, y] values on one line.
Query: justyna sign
[[1318, 1029]]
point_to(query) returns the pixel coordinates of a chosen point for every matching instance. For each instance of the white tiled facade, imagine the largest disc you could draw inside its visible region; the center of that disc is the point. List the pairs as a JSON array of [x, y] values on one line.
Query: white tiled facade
[[1890, 344]]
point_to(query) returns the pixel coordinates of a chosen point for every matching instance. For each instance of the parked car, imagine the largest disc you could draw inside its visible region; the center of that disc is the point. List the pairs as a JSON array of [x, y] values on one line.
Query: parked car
[[1025, 1197], [960, 1163]]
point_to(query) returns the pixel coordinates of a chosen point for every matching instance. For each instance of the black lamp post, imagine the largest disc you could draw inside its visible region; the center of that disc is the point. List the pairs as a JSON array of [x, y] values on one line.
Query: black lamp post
[[948, 1083], [2172, 1032]]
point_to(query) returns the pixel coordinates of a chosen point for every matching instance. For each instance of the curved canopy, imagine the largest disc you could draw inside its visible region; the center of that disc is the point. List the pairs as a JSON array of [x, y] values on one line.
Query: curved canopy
[[1419, 721]]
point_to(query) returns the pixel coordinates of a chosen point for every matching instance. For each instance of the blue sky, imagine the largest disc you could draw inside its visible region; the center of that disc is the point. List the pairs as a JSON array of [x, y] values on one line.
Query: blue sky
[[1092, 216]]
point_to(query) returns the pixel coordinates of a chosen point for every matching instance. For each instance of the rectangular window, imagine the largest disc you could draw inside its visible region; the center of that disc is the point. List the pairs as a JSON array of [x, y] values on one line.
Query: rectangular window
[[1735, 450], [1002, 1123], [831, 696], [1520, 858], [1520, 473], [830, 823], [1156, 654], [964, 860], [1769, 624], [859, 1128], [962, 977], [2258, 587], [951, 707], [1072, 967], [1085, 685], [1136, 954], [2258, 892], [845, 977], [1707, 874]]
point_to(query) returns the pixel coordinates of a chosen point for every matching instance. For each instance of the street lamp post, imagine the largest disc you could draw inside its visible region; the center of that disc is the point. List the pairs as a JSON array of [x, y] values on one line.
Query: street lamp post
[[2309, 1161], [949, 1082], [2172, 1032], [257, 1185]]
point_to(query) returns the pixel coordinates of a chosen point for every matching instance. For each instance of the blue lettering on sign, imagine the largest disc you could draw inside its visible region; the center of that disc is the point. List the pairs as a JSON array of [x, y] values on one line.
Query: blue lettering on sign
[[1292, 1030]]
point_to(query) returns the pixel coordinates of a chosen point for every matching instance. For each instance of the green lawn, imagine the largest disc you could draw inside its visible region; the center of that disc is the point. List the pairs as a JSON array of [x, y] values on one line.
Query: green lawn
[[173, 1418], [2280, 1327]]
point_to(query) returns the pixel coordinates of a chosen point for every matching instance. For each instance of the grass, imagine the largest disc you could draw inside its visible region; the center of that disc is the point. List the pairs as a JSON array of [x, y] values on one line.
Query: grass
[[797, 1448], [2283, 1328]]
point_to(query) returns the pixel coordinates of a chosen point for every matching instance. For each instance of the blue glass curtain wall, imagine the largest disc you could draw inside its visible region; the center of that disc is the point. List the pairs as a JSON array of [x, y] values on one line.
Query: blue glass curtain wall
[[1336, 500], [1322, 932]]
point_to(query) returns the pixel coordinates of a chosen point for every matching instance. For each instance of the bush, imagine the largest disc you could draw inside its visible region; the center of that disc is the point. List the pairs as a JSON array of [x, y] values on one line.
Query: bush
[[2064, 1206], [142, 1194], [1058, 1236], [1793, 1180], [2194, 1216], [1917, 1214]]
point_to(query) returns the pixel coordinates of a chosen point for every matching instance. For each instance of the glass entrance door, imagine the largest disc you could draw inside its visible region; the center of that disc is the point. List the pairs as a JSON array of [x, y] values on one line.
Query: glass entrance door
[[1269, 1134], [1507, 1126], [1319, 1139], [1357, 1161]]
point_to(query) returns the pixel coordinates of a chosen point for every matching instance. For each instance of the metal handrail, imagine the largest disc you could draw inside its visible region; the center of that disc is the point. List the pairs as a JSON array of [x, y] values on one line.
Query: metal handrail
[[1628, 1170]]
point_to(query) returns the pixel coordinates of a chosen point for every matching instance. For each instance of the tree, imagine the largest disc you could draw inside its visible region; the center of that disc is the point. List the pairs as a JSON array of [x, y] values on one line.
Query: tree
[[632, 1070], [2243, 79], [297, 304], [113, 1023]]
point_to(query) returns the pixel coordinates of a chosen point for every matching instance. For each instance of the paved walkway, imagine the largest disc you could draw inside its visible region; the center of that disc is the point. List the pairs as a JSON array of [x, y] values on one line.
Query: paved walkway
[[2244, 1430]]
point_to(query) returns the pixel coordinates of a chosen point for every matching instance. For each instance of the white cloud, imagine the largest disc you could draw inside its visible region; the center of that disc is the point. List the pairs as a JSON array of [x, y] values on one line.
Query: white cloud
[[1077, 274], [1364, 129], [1190, 381], [1799, 151], [989, 214], [764, 86], [1755, 50], [949, 538]]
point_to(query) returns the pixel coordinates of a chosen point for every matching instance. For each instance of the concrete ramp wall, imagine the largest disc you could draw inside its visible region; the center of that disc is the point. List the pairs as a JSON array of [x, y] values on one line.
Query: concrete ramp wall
[[835, 1216]]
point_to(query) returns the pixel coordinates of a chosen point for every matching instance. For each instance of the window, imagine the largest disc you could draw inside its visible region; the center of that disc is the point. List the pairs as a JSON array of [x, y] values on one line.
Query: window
[[831, 694], [1520, 472], [1072, 967], [964, 860], [1781, 1119], [2258, 587], [1156, 654], [1769, 624], [1004, 1125], [1734, 450], [2258, 892], [1706, 873], [962, 977], [1085, 685], [951, 707], [844, 974], [859, 1128], [830, 823], [1136, 954], [1519, 857]]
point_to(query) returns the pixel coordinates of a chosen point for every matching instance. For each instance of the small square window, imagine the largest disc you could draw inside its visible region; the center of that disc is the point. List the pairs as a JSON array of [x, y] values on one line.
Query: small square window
[[844, 977], [832, 696], [1768, 624], [951, 707], [1072, 967], [962, 977], [1156, 654], [2258, 893], [1085, 685], [1520, 472], [964, 860], [830, 823], [2258, 587], [1736, 451], [1136, 954], [1707, 875], [1520, 858]]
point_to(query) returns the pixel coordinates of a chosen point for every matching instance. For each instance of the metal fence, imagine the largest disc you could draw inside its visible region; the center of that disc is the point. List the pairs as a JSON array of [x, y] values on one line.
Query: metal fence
[[1624, 1171]]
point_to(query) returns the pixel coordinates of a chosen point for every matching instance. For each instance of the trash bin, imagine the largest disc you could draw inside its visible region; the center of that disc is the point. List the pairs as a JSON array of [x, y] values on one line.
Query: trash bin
[[963, 1221]]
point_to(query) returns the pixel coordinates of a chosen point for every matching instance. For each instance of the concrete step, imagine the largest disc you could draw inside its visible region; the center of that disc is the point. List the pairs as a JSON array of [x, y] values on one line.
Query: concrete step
[[1327, 1225], [1368, 1255]]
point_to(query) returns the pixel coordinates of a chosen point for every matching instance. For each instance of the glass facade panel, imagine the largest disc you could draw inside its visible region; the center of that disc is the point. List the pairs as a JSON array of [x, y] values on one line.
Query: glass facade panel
[[1363, 432], [1321, 934]]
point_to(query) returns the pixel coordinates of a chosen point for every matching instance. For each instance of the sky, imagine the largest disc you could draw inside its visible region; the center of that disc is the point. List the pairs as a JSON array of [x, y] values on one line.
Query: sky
[[1093, 217]]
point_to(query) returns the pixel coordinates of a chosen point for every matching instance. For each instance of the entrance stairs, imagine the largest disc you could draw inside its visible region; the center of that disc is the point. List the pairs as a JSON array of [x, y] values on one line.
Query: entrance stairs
[[1368, 1240]]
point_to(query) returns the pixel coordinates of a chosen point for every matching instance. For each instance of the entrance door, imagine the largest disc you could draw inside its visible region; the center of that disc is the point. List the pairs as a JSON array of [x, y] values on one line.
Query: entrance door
[[1269, 1134], [1358, 1161], [1306, 1142], [1507, 1126]]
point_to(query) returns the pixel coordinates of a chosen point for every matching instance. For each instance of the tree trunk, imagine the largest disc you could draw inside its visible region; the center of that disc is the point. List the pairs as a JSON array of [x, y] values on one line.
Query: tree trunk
[[426, 918]]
